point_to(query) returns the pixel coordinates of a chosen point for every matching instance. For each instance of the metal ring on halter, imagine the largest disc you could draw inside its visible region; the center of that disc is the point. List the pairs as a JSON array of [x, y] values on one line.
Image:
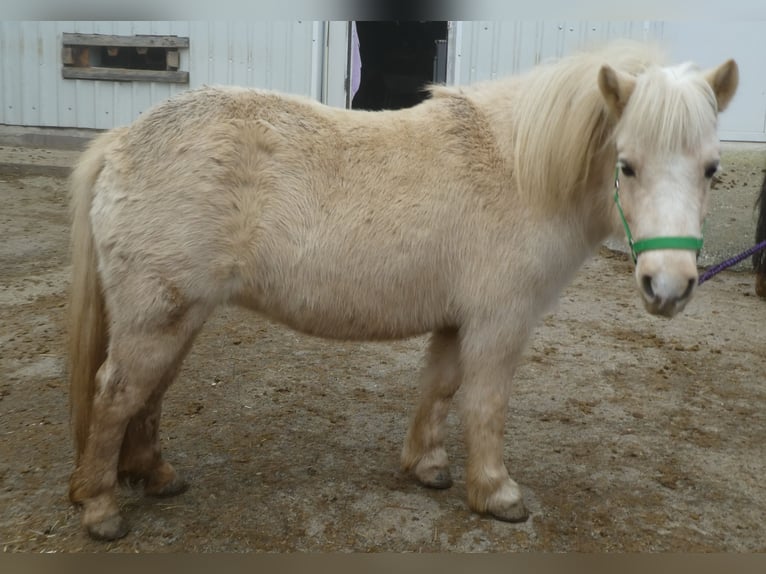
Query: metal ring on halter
[[653, 243]]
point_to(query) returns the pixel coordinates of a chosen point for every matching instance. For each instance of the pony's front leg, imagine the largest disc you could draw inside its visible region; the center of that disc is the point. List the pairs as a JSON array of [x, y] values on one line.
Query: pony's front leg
[[488, 369], [424, 454]]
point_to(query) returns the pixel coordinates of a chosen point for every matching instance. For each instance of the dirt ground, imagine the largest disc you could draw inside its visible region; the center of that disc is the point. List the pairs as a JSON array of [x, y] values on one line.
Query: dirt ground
[[627, 432]]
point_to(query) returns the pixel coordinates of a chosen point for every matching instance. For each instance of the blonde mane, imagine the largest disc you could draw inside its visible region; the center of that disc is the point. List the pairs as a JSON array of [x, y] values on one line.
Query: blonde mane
[[563, 121]]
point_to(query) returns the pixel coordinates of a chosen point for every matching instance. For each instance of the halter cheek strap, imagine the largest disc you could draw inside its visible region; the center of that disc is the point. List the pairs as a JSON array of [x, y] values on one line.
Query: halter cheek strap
[[653, 243]]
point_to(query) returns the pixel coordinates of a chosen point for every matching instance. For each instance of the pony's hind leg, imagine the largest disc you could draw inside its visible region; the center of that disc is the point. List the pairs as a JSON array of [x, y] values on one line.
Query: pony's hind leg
[[424, 454], [141, 454], [140, 362]]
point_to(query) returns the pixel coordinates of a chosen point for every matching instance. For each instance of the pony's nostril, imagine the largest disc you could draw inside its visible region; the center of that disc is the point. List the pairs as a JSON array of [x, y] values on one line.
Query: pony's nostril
[[646, 285]]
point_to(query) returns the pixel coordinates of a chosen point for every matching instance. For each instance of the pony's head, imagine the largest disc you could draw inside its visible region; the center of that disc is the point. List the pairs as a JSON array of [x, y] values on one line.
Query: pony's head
[[667, 153]]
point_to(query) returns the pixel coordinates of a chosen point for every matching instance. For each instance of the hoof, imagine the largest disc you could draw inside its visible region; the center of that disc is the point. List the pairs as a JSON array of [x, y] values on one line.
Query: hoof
[[431, 470], [112, 528], [516, 512], [505, 503], [173, 488], [439, 478]]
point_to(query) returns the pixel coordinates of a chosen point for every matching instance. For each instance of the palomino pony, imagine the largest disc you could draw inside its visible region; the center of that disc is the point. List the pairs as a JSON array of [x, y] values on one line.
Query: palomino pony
[[464, 216]]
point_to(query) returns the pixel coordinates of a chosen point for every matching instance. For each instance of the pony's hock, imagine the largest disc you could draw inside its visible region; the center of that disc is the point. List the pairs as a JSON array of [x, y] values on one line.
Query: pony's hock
[[459, 217]]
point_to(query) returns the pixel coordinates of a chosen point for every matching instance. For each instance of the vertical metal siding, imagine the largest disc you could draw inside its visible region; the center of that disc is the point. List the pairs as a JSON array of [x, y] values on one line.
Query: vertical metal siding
[[488, 50], [274, 55], [10, 68], [494, 49], [310, 58], [710, 43], [284, 56]]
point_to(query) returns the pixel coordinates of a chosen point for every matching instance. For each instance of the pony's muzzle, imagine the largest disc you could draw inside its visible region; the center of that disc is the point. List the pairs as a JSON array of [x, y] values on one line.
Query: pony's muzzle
[[666, 281]]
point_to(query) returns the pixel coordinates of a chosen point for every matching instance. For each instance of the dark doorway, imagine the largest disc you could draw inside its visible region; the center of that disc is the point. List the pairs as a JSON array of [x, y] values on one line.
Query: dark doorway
[[398, 60]]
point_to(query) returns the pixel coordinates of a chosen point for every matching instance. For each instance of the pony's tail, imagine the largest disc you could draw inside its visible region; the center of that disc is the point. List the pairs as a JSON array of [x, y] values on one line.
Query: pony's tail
[[759, 259], [86, 313]]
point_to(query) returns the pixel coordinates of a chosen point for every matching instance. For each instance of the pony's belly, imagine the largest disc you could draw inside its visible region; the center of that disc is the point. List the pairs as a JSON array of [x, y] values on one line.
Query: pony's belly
[[352, 310], [349, 328]]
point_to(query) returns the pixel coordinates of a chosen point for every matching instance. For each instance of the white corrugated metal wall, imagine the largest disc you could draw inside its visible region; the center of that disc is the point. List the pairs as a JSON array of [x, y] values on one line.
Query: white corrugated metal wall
[[311, 58], [708, 43], [485, 50], [285, 56]]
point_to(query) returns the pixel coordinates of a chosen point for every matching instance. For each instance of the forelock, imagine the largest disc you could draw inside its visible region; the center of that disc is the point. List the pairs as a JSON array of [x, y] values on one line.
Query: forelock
[[671, 108]]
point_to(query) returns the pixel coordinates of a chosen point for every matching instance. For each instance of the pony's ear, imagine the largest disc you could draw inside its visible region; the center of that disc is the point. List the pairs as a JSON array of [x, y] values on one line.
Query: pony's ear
[[616, 87], [724, 80]]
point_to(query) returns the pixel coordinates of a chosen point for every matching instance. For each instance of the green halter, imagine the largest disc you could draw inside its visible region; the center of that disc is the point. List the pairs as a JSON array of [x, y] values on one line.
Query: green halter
[[653, 243]]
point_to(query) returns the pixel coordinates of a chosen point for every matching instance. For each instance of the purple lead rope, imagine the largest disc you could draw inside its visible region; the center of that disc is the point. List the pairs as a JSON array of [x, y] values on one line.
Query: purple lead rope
[[729, 262]]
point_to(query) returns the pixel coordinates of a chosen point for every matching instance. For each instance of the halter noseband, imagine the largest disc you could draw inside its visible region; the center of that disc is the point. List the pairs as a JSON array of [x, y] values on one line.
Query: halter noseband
[[653, 243]]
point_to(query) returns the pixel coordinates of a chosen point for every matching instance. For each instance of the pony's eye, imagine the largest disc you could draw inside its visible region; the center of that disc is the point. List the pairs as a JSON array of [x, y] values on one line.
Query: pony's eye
[[711, 169], [627, 170]]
